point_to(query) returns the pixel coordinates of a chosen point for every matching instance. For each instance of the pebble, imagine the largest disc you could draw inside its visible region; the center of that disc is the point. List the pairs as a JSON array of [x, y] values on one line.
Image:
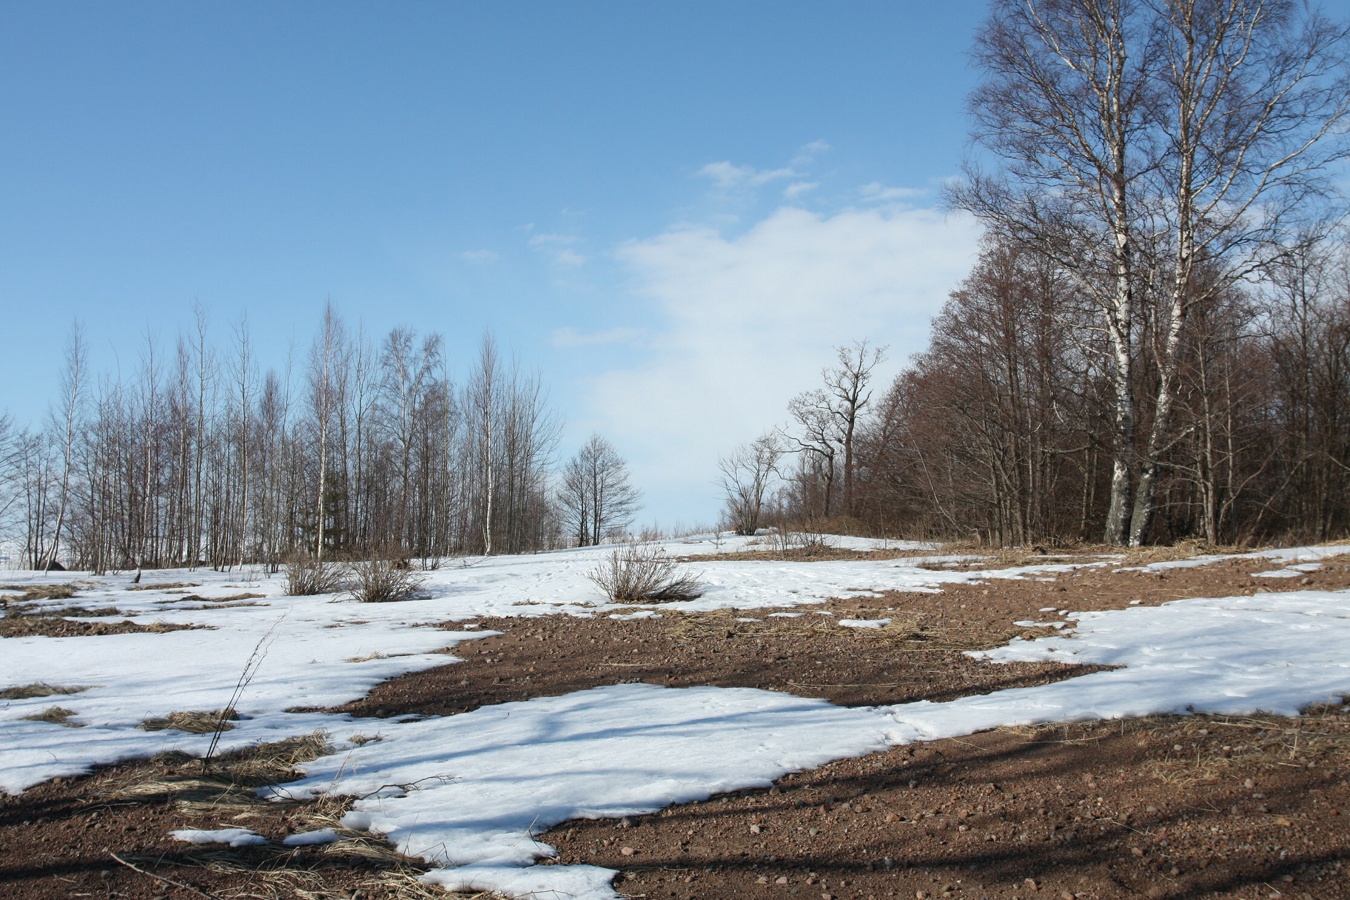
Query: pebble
[[754, 829], [627, 851]]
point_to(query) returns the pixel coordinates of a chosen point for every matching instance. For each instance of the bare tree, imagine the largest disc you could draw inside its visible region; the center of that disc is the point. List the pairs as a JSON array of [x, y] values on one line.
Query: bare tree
[[746, 477], [1252, 101], [1134, 131], [73, 379], [595, 496], [1065, 104], [848, 385], [327, 373], [815, 442]]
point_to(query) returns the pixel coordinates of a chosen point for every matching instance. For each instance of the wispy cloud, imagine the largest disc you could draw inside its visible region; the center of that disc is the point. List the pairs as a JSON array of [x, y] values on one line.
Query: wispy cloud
[[808, 153], [729, 177], [798, 188], [558, 247], [479, 256]]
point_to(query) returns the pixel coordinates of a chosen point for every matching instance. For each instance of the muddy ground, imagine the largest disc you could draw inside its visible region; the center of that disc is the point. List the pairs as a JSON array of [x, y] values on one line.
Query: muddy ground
[[1165, 807]]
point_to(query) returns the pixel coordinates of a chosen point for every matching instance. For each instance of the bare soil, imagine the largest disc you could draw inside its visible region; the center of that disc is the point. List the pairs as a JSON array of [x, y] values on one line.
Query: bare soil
[[1165, 807]]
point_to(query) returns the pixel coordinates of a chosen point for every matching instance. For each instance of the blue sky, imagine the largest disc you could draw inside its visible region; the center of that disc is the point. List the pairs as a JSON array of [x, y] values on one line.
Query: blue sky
[[672, 211]]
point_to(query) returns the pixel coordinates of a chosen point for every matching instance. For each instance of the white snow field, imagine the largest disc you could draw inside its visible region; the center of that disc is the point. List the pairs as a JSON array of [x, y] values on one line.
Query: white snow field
[[469, 793]]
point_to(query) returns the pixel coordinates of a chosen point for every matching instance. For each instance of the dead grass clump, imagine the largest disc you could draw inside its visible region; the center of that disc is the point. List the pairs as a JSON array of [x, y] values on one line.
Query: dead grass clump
[[40, 591], [57, 715], [383, 580], [37, 689], [164, 586], [237, 599], [643, 573], [899, 628], [307, 576], [83, 612], [192, 721], [234, 780], [1205, 749], [275, 761]]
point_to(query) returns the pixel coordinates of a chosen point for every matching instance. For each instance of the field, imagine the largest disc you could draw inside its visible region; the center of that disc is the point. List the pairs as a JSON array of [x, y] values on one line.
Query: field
[[856, 721]]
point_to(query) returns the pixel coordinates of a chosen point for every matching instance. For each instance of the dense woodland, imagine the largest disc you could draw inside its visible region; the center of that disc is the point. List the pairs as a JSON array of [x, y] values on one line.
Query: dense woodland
[[1154, 345]]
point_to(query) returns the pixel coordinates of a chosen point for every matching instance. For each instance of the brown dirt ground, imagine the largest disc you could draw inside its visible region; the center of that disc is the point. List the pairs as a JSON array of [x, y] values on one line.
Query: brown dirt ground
[[1165, 807]]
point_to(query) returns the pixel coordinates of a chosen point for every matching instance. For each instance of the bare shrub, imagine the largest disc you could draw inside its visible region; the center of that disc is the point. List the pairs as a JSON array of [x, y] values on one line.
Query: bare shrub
[[803, 540], [307, 576], [643, 573], [384, 580]]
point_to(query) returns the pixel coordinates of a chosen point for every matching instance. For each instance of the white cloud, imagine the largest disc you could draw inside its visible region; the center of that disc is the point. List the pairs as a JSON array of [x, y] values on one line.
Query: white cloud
[[749, 321], [729, 177], [797, 188], [876, 192], [479, 256]]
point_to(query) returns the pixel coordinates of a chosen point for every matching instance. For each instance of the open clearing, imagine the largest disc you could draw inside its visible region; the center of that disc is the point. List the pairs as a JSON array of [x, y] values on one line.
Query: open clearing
[[771, 739]]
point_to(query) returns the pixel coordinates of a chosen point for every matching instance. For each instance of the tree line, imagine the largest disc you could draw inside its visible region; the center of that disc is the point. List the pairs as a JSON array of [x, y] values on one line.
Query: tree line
[[363, 448], [1153, 343]]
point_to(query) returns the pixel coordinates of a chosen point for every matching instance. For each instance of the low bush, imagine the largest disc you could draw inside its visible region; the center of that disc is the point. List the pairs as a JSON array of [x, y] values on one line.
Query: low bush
[[643, 573], [307, 576], [383, 580]]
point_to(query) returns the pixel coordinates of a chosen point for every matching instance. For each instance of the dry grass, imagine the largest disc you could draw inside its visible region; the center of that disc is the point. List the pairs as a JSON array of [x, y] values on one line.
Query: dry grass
[[40, 591], [192, 721], [232, 598], [81, 612], [235, 778], [57, 715], [38, 689], [164, 586], [1208, 748], [272, 871]]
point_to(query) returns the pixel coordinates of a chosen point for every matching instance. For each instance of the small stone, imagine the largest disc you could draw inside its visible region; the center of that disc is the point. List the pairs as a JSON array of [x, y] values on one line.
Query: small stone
[[754, 829], [763, 879], [890, 817], [627, 851], [1066, 895], [781, 879], [1031, 884]]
